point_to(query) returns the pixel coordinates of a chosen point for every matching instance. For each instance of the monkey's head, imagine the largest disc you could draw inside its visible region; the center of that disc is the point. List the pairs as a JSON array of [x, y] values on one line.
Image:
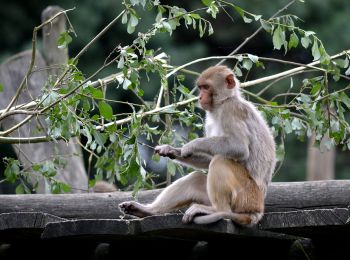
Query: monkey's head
[[216, 84]]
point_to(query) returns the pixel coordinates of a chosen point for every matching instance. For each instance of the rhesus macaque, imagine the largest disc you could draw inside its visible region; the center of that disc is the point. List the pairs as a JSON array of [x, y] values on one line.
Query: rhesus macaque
[[238, 150]]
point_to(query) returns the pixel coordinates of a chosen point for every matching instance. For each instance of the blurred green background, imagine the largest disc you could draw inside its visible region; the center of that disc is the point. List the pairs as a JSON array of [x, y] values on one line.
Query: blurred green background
[[328, 18]]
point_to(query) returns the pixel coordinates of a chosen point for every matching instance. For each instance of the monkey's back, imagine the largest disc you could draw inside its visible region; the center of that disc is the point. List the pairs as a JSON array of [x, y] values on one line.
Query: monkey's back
[[262, 154]]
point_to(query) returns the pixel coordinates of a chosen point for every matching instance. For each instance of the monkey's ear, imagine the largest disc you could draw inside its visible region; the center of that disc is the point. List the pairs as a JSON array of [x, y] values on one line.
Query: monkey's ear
[[230, 81]]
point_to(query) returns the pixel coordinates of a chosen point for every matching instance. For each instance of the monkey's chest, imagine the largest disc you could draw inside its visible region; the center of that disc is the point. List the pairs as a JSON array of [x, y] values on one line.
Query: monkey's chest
[[213, 129]]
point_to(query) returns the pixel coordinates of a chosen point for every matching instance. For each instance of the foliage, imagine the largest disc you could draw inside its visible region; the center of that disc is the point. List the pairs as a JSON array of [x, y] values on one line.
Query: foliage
[[76, 106]]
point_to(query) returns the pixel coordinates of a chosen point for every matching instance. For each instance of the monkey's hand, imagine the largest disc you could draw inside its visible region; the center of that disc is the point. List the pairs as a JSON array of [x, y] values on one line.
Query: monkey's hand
[[166, 150]]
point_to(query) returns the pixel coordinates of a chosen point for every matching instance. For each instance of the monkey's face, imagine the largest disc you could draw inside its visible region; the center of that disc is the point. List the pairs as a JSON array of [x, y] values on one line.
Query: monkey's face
[[215, 85], [205, 96]]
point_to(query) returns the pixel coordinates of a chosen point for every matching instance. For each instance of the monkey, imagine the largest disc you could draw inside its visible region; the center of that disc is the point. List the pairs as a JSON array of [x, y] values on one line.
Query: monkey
[[238, 150], [104, 186]]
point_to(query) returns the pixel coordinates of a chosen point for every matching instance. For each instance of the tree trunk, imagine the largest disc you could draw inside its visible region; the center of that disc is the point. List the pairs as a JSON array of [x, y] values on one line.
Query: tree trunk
[[320, 161], [11, 74]]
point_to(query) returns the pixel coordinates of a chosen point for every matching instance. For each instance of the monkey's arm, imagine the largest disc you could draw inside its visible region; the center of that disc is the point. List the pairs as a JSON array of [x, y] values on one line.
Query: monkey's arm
[[198, 160], [234, 147]]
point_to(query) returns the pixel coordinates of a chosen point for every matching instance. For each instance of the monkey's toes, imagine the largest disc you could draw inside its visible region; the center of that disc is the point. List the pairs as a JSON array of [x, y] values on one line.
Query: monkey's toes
[[187, 218], [127, 207]]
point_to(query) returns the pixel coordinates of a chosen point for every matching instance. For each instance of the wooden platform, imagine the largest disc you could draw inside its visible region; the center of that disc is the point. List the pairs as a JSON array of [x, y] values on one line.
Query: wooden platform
[[301, 218]]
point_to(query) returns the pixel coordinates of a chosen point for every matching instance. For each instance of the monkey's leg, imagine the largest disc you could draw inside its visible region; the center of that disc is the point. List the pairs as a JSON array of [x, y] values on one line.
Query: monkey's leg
[[231, 188], [219, 187], [183, 192]]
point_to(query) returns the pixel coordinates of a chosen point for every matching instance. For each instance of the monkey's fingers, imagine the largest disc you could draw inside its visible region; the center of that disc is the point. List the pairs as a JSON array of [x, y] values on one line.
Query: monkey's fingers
[[165, 151]]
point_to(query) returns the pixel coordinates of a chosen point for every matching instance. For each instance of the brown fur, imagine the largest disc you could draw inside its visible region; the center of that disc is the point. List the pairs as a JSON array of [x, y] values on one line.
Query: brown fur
[[239, 193]]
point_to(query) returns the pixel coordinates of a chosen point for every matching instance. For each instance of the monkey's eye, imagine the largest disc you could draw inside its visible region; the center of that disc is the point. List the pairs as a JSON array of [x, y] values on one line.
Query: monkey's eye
[[205, 87]]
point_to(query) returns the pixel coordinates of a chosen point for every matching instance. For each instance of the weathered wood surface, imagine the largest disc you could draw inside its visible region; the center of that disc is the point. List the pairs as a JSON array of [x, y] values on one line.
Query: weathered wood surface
[[12, 73], [319, 223], [165, 226], [55, 57], [22, 220], [281, 197]]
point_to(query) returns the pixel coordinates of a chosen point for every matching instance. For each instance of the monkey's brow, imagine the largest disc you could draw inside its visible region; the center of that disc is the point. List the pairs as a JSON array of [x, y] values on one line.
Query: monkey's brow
[[205, 86]]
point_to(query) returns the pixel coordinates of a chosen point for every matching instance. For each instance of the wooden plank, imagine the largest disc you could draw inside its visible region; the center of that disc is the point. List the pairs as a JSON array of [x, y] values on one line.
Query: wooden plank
[[167, 226], [26, 220], [318, 223], [281, 197], [289, 196], [24, 225]]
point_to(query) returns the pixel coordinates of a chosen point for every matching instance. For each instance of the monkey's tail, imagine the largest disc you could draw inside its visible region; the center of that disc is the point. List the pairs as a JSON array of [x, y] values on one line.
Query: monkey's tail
[[244, 219]]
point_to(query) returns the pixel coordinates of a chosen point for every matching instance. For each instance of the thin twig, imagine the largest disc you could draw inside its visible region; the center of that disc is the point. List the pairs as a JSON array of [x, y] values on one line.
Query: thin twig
[[244, 84]]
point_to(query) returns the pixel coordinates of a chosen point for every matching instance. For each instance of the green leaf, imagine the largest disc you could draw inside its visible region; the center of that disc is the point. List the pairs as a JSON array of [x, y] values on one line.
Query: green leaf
[[247, 64], [304, 98], [296, 124], [140, 92], [287, 126], [160, 16], [280, 152], [238, 71], [240, 11], [305, 41], [12, 170], [133, 20], [316, 87], [210, 31], [125, 18], [156, 157], [253, 58], [171, 167], [257, 17], [347, 72], [65, 187], [207, 2], [167, 27], [247, 20], [275, 120], [315, 51], [195, 16], [308, 33], [121, 63], [278, 38], [293, 41], [201, 32], [126, 83], [267, 27], [99, 138], [97, 93], [105, 110], [92, 183], [1, 88], [130, 29], [20, 189], [345, 99], [63, 40]]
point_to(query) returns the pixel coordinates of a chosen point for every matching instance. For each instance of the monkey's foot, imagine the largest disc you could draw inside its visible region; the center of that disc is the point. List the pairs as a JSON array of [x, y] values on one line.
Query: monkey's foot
[[134, 208], [195, 210]]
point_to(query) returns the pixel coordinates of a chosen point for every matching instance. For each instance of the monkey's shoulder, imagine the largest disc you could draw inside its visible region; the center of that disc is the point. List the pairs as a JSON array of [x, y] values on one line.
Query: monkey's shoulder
[[238, 108]]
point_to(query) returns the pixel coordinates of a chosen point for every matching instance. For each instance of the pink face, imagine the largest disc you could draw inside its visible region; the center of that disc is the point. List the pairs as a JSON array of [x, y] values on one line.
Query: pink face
[[208, 90], [205, 96]]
